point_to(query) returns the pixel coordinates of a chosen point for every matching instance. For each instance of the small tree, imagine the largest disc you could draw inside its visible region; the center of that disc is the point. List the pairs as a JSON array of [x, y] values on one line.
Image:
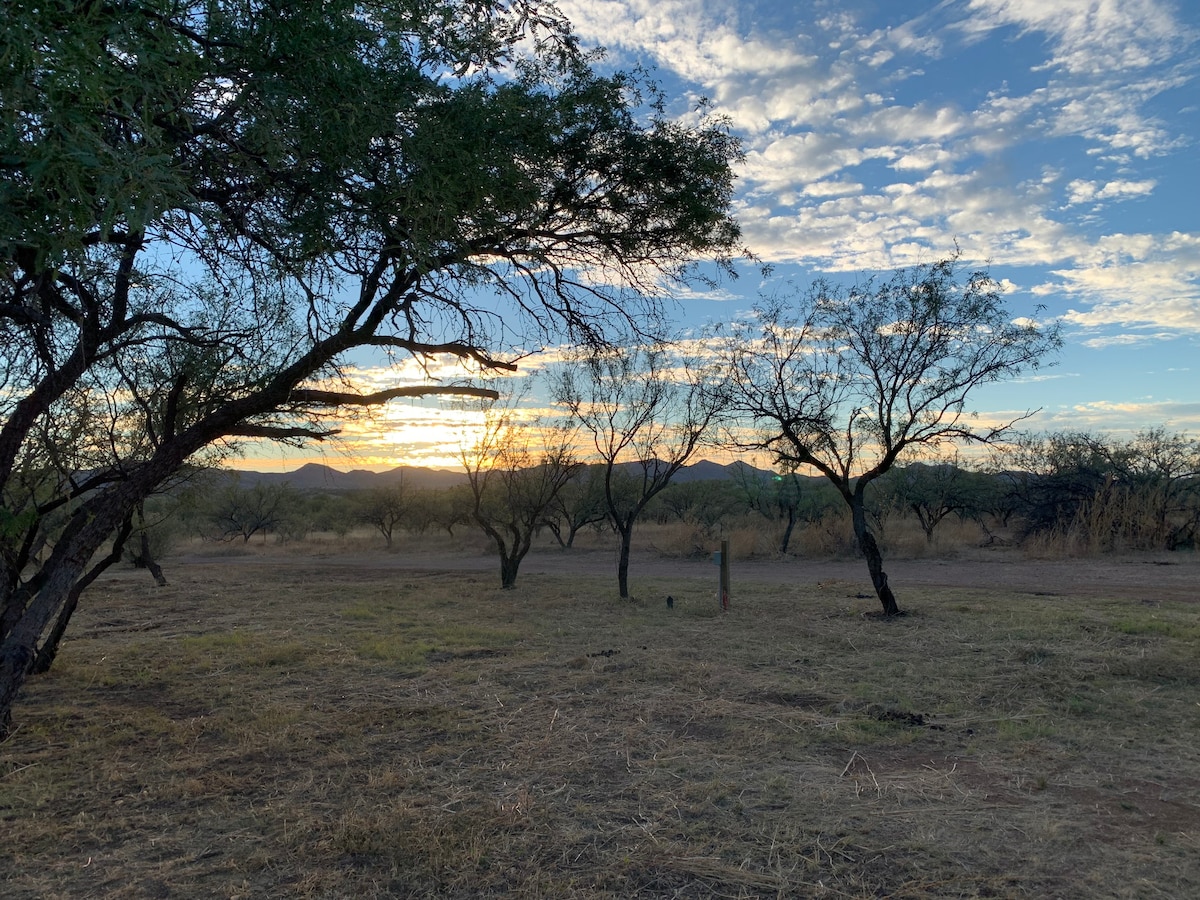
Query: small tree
[[579, 504], [334, 512], [244, 512], [933, 490], [515, 473], [705, 503], [849, 381], [779, 497], [647, 414], [451, 507], [423, 510], [384, 508]]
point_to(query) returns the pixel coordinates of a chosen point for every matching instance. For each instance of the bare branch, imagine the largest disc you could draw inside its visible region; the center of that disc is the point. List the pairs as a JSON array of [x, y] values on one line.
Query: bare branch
[[340, 398], [282, 433]]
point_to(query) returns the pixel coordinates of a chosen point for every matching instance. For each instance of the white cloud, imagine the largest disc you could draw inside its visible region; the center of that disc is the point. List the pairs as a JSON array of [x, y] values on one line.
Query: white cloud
[[1143, 282], [831, 188], [799, 159], [1121, 419], [817, 108], [1082, 191], [1090, 37], [1128, 340]]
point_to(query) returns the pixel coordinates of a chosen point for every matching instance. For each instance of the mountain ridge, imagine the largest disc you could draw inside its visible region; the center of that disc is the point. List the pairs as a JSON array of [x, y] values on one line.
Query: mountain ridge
[[321, 477]]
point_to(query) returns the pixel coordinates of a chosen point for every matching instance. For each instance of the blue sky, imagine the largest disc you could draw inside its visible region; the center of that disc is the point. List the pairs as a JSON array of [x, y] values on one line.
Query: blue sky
[[1055, 140]]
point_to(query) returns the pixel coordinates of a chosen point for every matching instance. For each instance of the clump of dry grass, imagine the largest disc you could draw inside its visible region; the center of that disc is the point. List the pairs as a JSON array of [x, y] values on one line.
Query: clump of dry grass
[[677, 540], [681, 540], [831, 535], [262, 729]]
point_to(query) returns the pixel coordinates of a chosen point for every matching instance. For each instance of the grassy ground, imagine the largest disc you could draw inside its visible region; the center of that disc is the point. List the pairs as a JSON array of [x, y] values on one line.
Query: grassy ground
[[287, 730]]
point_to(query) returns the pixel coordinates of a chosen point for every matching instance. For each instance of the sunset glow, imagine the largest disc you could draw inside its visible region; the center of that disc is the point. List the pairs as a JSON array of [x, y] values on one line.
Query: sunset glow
[[1053, 143]]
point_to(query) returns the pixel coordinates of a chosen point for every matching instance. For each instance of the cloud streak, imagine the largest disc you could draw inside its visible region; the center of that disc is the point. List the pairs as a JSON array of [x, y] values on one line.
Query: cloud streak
[[858, 159]]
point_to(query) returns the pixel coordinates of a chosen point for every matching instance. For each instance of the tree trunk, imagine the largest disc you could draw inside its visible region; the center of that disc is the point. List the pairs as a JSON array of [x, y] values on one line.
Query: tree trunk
[[508, 571], [147, 557], [626, 534], [870, 549], [44, 657], [556, 530], [151, 563], [787, 532], [14, 668], [573, 530], [66, 574], [17, 651]]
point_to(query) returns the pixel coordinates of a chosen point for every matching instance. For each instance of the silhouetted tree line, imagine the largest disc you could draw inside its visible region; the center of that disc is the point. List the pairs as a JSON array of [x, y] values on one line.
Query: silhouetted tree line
[[1091, 491]]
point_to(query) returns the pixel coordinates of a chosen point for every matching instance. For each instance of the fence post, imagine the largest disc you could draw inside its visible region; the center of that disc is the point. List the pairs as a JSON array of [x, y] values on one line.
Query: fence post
[[724, 595]]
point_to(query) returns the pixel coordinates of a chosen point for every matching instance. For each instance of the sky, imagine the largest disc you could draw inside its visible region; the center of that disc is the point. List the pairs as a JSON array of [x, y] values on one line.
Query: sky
[[1055, 141]]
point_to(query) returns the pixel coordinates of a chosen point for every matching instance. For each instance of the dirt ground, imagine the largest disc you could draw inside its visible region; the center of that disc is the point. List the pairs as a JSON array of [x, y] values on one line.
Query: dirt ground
[[333, 719], [1145, 577]]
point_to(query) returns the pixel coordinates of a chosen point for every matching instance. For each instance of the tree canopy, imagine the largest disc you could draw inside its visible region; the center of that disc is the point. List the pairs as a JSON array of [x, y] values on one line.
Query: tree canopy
[[847, 381], [205, 207], [648, 410]]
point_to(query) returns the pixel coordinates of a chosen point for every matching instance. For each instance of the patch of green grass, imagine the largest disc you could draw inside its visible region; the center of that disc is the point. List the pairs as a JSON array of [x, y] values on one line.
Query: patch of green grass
[[1082, 705], [362, 612], [1031, 728], [412, 645], [1154, 625], [400, 649], [242, 648]]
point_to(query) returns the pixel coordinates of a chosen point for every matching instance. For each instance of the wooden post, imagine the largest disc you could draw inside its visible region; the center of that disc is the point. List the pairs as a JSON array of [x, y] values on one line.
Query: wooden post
[[724, 596]]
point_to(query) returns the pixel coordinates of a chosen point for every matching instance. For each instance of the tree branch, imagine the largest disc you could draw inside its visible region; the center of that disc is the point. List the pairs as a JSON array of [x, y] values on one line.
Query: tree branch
[[281, 432], [339, 398]]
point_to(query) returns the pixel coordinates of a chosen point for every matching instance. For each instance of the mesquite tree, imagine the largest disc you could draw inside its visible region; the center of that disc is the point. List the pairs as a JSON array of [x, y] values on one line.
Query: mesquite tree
[[579, 504], [386, 508], [647, 411], [849, 381], [206, 206], [516, 470]]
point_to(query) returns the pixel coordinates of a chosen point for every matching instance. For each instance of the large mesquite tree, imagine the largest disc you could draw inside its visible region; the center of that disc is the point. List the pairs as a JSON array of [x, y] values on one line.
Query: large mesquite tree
[[848, 382], [206, 206]]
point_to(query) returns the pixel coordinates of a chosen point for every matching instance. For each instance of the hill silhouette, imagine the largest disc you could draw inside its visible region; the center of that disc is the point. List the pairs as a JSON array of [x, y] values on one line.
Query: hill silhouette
[[320, 477]]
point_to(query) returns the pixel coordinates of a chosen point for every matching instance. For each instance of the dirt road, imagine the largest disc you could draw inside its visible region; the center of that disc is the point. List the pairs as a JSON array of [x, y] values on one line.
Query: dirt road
[[1143, 577]]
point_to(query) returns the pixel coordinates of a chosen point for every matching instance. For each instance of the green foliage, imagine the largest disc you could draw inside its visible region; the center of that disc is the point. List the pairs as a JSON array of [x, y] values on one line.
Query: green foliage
[[206, 207], [850, 381], [703, 503], [1095, 492], [933, 490], [243, 512]]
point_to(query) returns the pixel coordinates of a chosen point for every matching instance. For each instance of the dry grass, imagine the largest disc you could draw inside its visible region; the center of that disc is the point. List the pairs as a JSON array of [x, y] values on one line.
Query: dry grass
[[276, 728]]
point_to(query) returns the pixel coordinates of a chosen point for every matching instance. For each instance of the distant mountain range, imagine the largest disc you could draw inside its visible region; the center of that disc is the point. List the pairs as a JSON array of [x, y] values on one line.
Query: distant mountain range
[[317, 477]]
